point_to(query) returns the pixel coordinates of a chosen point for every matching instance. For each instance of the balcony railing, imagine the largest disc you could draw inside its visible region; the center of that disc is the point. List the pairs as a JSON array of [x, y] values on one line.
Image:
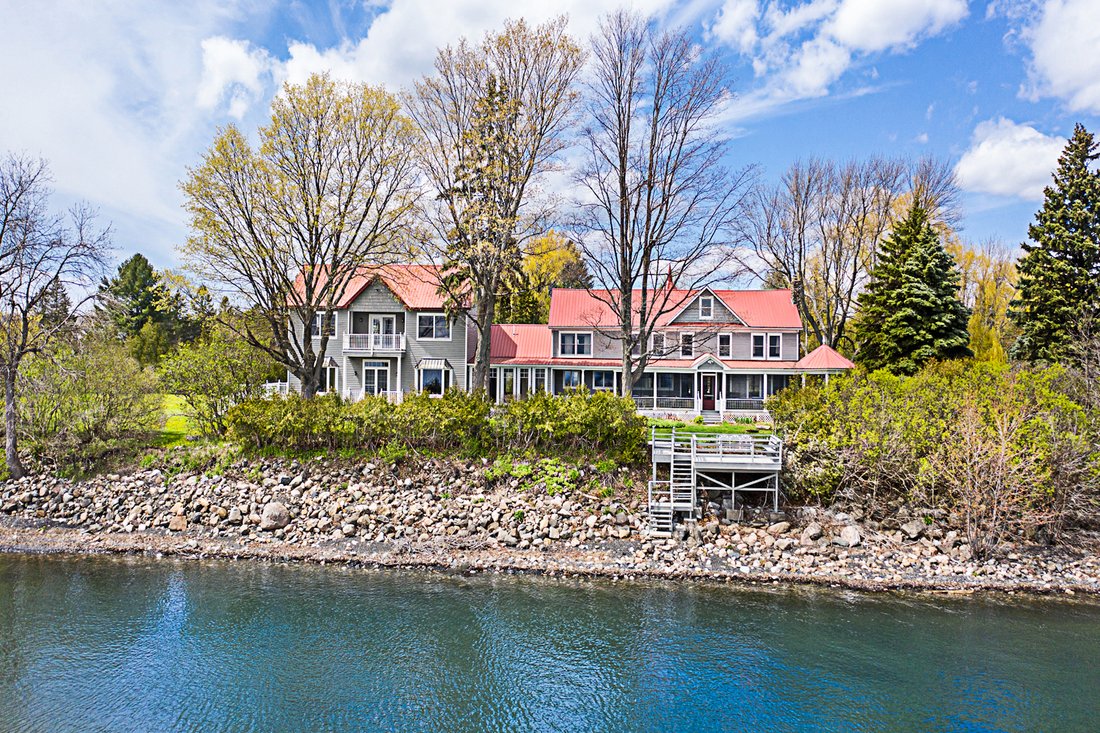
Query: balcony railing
[[371, 342]]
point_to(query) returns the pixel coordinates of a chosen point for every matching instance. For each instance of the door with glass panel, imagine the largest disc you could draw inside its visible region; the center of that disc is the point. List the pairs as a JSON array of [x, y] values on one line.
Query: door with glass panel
[[383, 330]]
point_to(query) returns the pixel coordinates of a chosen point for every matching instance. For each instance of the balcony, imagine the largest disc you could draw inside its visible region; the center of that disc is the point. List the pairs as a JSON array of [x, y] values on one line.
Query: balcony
[[374, 343]]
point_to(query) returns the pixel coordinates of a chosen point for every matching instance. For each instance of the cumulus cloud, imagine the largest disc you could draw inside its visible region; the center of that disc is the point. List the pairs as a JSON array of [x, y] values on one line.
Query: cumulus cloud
[[875, 25], [233, 69], [735, 24], [1064, 59], [1009, 159]]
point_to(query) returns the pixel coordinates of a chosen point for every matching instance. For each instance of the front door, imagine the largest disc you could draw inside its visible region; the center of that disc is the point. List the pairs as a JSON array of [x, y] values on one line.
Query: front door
[[708, 391]]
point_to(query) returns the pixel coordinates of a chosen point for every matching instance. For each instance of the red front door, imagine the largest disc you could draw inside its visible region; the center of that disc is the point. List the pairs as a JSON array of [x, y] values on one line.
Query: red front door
[[708, 391]]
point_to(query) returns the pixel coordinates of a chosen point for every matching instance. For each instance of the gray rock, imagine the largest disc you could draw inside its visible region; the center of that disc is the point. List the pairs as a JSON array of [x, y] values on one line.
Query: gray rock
[[914, 528], [177, 523], [812, 532], [235, 516], [779, 528], [275, 516], [849, 536]]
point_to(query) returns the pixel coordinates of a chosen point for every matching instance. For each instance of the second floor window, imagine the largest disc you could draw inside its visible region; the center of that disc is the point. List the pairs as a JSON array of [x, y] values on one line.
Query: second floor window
[[433, 326], [330, 325], [725, 348], [687, 344], [775, 346], [758, 346], [576, 344], [658, 350]]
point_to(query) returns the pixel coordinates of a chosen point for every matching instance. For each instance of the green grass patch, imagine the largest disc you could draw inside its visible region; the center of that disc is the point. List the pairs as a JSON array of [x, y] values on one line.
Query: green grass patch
[[738, 428], [177, 426]]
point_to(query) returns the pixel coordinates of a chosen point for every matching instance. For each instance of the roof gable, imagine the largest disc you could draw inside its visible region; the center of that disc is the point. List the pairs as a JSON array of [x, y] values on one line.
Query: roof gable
[[825, 358], [763, 309]]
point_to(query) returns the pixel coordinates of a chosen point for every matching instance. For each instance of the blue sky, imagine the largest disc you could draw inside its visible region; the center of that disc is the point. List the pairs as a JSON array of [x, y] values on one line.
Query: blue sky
[[121, 96]]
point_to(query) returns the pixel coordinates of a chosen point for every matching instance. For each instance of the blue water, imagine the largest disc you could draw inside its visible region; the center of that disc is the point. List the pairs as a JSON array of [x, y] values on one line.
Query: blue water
[[107, 644]]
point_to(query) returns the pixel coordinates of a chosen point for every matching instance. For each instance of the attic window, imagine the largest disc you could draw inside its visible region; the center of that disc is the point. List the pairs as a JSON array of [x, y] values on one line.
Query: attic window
[[706, 308]]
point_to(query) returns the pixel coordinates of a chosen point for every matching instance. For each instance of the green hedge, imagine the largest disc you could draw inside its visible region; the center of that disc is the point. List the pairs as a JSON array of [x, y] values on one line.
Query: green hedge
[[580, 424]]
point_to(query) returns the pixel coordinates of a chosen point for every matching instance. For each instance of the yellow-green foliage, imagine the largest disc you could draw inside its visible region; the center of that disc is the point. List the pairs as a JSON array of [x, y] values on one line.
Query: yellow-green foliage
[[876, 435], [580, 424]]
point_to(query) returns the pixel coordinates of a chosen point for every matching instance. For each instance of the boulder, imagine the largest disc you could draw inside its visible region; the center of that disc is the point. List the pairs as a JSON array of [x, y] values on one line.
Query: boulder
[[914, 528], [177, 523], [275, 516], [779, 528], [849, 536], [812, 532]]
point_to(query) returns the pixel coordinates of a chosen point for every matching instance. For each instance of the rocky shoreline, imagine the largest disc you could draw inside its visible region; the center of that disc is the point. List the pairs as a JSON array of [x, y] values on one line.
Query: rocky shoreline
[[447, 515]]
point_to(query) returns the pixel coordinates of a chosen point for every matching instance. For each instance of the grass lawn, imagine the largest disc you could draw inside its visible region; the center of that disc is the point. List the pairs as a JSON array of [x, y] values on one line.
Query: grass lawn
[[176, 426], [722, 429]]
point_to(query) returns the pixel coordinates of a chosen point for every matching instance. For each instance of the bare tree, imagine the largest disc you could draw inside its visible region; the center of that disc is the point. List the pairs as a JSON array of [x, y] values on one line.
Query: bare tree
[[283, 228], [659, 205], [39, 251], [817, 231], [491, 120]]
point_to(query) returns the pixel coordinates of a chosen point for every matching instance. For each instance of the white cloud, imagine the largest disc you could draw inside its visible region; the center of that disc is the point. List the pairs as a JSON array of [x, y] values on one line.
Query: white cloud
[[232, 68], [735, 24], [878, 25], [801, 51], [1008, 159], [1065, 63]]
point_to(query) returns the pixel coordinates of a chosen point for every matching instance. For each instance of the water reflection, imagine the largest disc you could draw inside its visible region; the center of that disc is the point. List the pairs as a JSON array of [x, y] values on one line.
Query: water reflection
[[129, 645]]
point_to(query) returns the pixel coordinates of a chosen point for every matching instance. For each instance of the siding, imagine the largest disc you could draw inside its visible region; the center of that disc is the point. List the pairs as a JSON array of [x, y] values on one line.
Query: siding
[[454, 351], [722, 314]]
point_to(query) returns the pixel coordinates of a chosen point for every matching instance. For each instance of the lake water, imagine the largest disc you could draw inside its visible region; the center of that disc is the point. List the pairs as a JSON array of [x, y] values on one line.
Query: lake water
[[109, 644]]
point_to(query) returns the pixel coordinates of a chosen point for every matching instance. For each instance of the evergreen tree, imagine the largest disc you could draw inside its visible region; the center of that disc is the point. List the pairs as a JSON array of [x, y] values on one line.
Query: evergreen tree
[[910, 312], [1059, 273], [134, 296], [55, 309]]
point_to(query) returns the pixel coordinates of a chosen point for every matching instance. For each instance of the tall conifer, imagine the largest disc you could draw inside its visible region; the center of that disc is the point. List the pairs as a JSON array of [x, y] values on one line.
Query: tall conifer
[[1059, 273], [910, 312]]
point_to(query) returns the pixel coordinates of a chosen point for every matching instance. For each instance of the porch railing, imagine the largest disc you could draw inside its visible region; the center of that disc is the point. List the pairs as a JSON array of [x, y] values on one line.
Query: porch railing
[[745, 404], [374, 342], [664, 403], [274, 388]]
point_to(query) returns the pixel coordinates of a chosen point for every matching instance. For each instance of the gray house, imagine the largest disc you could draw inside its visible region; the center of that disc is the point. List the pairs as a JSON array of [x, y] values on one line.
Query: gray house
[[389, 335]]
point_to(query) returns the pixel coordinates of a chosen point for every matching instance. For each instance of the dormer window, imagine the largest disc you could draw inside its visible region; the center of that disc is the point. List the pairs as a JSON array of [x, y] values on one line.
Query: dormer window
[[706, 308]]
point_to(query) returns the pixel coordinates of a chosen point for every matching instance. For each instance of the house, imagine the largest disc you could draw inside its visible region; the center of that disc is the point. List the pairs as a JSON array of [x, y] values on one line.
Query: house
[[389, 335], [718, 353]]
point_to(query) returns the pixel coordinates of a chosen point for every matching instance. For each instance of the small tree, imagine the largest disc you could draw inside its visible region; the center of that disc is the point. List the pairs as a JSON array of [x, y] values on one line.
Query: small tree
[[214, 373], [38, 251], [910, 312], [283, 228], [1059, 274]]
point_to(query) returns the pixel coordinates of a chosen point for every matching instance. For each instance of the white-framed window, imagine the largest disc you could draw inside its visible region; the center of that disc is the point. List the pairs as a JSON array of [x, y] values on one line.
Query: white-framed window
[[706, 308], [603, 381], [433, 327], [775, 346], [725, 345], [658, 349], [328, 380], [330, 325], [758, 346], [434, 381], [375, 378], [687, 345], [540, 379], [574, 343], [635, 344], [571, 379]]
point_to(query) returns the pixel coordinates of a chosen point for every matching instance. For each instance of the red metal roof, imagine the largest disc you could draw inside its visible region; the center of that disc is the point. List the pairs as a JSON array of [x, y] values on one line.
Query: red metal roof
[[757, 308], [417, 286], [825, 358]]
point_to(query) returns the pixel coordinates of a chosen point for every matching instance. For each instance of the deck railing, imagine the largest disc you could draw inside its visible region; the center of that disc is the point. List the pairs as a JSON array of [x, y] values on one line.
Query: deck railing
[[276, 388], [374, 342], [754, 448]]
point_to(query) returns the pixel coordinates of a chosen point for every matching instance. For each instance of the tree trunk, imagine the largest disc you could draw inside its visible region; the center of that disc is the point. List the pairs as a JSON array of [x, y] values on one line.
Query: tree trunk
[[628, 371], [486, 310], [11, 443]]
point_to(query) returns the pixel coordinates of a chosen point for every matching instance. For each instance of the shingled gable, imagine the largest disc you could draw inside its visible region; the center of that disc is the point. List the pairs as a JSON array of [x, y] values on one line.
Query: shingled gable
[[694, 296]]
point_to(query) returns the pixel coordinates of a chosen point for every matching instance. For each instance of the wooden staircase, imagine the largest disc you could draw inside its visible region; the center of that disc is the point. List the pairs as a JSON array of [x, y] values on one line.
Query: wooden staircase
[[679, 496]]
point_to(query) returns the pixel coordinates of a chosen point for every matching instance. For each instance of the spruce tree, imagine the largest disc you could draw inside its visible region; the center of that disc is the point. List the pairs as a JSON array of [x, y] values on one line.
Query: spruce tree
[[1059, 273], [910, 312]]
